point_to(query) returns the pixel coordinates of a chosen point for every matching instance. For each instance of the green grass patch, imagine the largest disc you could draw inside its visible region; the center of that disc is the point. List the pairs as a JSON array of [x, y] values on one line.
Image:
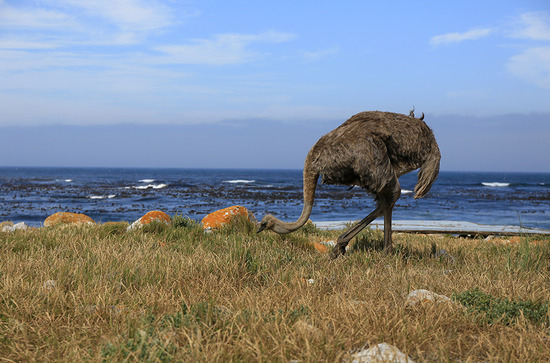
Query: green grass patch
[[490, 309]]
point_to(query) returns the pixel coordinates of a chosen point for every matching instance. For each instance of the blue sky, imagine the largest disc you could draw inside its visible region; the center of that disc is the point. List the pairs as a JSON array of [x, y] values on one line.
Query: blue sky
[[204, 72]]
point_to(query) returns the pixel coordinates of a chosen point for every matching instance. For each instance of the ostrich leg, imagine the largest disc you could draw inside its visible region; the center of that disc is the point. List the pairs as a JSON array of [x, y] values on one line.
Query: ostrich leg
[[344, 239], [386, 201]]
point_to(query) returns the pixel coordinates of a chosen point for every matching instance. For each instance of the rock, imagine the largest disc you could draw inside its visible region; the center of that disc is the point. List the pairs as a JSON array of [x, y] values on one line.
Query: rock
[[6, 224], [307, 329], [14, 227], [418, 298], [49, 285], [506, 241], [332, 243], [153, 216], [320, 247], [222, 217], [442, 254], [61, 218], [382, 352]]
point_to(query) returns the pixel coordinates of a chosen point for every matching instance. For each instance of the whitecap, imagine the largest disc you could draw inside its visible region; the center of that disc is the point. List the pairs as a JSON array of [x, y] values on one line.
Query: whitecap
[[406, 191], [237, 181], [110, 196], [148, 181], [151, 186], [495, 184], [68, 180]]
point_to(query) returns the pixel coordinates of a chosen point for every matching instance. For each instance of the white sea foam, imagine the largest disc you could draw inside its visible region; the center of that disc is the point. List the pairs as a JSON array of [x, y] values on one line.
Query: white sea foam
[[150, 186], [237, 181], [406, 191], [148, 181], [68, 180], [495, 184], [110, 196]]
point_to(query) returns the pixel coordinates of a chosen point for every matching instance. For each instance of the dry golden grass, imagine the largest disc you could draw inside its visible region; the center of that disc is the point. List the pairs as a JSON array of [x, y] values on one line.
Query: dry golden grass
[[177, 294]]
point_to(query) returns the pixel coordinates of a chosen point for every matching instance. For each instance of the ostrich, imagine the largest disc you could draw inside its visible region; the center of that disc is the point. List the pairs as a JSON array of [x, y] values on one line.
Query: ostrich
[[372, 150]]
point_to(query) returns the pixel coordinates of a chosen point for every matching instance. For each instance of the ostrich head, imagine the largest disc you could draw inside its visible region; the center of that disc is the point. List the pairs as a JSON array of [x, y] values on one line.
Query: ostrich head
[[277, 226], [267, 222]]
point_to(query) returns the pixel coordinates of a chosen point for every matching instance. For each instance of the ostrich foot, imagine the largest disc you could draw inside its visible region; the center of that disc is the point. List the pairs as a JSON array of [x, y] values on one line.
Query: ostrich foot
[[337, 251]]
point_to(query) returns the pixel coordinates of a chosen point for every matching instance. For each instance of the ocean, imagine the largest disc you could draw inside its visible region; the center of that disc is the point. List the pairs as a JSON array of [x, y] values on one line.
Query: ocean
[[124, 194]]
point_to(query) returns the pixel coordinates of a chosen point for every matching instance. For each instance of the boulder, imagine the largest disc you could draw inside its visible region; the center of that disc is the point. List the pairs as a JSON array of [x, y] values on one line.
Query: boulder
[[382, 352], [6, 224], [62, 218], [18, 226], [419, 298], [153, 216], [222, 217], [320, 247], [10, 227]]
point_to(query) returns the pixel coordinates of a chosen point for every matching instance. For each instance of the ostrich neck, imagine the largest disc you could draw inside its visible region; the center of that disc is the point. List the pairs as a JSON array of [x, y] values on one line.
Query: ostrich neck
[[310, 184]]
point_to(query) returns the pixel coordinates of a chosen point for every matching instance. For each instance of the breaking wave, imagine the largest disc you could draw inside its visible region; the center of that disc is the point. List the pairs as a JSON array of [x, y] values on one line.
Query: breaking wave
[[148, 186], [495, 184], [110, 196], [240, 181], [148, 181]]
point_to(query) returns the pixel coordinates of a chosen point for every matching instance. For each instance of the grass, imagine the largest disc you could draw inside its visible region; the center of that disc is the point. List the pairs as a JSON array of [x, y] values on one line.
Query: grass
[[174, 293]]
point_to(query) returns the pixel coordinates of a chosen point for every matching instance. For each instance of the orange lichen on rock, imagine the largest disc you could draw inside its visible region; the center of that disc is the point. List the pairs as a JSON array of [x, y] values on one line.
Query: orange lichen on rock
[[153, 216], [222, 217], [320, 247], [67, 218]]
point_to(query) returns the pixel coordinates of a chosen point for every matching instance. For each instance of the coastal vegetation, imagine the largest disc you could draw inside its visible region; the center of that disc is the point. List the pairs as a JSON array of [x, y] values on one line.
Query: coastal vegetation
[[175, 293]]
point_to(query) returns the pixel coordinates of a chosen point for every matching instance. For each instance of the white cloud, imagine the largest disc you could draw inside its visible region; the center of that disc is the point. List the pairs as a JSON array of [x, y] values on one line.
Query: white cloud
[[221, 49], [62, 23], [533, 26], [460, 37], [27, 17], [21, 43], [126, 14], [317, 55], [533, 66]]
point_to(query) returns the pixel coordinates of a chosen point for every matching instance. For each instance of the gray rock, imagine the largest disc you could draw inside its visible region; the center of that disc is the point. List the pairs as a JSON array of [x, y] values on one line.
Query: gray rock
[[420, 297], [50, 285], [15, 227], [382, 352]]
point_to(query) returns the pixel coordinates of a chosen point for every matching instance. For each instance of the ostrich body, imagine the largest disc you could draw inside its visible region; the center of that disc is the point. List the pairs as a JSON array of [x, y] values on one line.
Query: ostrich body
[[371, 150]]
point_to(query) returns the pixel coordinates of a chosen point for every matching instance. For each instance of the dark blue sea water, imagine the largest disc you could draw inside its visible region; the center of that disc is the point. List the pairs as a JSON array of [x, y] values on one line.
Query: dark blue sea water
[[106, 194]]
